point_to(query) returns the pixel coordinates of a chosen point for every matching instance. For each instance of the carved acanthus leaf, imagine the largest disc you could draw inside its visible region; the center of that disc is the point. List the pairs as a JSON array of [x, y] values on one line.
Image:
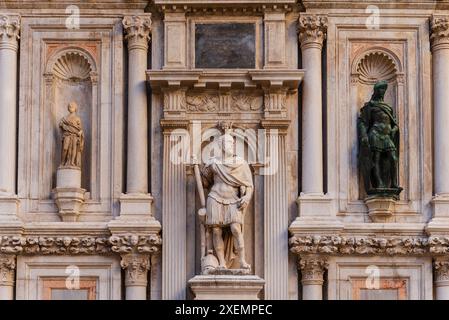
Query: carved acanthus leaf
[[439, 27], [312, 29], [136, 267], [9, 27], [137, 28]]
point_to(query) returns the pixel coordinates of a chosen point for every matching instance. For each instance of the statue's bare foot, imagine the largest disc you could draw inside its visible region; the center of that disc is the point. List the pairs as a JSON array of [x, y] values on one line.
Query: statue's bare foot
[[221, 267], [244, 265]]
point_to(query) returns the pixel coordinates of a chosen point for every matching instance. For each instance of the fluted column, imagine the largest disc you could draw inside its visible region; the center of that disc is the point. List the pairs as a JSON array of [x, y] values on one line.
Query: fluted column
[[7, 268], [136, 270], [9, 34], [441, 278], [137, 30], [312, 268], [174, 204], [312, 32], [276, 210]]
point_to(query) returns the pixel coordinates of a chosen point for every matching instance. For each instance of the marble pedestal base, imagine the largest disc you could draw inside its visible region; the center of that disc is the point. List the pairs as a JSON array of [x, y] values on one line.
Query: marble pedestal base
[[69, 195], [226, 287], [9, 208], [380, 209]]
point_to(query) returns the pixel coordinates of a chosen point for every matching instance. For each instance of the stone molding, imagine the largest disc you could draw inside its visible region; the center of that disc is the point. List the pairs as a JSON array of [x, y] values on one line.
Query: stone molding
[[70, 245], [366, 245], [137, 31], [7, 267], [439, 32], [312, 30], [9, 31], [312, 268]]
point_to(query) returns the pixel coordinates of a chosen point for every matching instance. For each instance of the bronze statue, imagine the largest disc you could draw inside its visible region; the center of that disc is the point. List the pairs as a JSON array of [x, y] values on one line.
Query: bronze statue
[[378, 134], [72, 138]]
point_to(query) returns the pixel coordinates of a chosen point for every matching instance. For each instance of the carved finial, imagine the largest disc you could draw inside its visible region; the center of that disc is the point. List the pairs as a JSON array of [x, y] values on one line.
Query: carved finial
[[312, 29]]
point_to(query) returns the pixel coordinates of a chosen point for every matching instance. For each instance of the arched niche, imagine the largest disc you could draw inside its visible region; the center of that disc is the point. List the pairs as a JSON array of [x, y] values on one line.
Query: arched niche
[[367, 68], [70, 75]]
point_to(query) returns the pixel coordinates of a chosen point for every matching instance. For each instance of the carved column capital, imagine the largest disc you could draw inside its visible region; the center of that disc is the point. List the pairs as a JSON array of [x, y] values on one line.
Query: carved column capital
[[441, 268], [136, 268], [312, 30], [137, 31], [312, 268], [9, 31], [7, 267], [439, 32]]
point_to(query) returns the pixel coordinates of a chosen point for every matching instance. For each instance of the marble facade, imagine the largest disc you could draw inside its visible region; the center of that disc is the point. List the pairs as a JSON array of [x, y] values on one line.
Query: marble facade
[[150, 93]]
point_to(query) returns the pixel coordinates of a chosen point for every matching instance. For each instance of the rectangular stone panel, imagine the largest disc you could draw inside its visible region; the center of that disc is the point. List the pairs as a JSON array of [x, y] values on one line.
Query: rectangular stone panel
[[225, 45]]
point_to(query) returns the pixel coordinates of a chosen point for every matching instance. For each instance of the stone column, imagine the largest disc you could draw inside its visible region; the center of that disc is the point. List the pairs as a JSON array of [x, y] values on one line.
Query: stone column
[[9, 34], [312, 268], [137, 30], [136, 270], [276, 209], [440, 64], [174, 215], [441, 270], [7, 268], [312, 31]]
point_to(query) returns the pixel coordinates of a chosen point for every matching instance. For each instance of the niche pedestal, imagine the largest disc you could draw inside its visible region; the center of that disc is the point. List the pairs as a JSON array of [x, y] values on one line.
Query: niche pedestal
[[69, 195], [226, 287], [380, 209]]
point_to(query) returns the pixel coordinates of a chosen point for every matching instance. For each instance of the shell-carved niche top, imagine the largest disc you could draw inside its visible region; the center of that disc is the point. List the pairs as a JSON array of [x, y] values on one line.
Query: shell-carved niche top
[[376, 65], [72, 66]]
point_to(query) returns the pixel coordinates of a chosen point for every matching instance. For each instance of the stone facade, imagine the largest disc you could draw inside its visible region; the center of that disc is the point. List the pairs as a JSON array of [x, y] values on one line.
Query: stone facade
[[286, 80]]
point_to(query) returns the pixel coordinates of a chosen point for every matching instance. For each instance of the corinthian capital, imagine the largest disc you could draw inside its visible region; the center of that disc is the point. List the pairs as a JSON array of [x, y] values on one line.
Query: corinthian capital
[[441, 267], [9, 30], [439, 31], [7, 267], [312, 30], [137, 30], [312, 268], [136, 268]]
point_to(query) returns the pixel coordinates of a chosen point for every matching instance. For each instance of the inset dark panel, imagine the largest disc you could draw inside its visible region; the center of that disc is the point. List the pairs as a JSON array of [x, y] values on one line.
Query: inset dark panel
[[225, 45]]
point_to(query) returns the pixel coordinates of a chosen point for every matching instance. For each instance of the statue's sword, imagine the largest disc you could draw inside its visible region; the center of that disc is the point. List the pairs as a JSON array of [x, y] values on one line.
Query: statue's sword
[[202, 210]]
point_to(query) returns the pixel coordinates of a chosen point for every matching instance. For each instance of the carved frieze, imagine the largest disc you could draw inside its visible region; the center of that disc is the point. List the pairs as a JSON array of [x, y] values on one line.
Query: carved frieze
[[133, 243], [206, 102], [236, 101], [338, 245]]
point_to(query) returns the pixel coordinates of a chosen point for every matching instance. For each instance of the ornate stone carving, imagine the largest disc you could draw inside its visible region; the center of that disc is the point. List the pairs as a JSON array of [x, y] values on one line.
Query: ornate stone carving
[[72, 66], [136, 267], [376, 65], [11, 244], [204, 102], [133, 243], [439, 28], [312, 30], [137, 29], [66, 245], [7, 267], [9, 31], [72, 138], [441, 268], [246, 102], [231, 187], [312, 269], [359, 245], [439, 245]]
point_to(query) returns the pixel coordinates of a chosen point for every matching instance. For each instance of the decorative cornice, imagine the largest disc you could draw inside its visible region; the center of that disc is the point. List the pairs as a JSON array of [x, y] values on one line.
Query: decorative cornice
[[132, 243], [137, 31], [9, 31], [439, 32], [338, 245], [312, 268], [312, 30], [7, 267], [136, 267]]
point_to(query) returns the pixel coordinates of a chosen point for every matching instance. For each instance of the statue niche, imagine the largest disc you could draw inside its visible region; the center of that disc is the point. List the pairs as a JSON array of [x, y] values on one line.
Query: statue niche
[[230, 182], [378, 134]]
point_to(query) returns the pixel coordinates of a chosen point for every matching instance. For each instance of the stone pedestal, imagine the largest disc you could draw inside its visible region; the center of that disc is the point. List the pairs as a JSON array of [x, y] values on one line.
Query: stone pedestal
[[380, 209], [69, 195], [226, 287], [136, 207]]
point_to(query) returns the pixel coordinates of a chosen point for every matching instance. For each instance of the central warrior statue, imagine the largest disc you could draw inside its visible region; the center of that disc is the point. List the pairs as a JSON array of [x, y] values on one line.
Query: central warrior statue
[[231, 187], [379, 144]]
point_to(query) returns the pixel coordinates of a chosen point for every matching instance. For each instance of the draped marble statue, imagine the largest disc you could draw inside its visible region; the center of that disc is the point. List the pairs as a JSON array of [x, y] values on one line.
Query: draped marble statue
[[378, 133], [231, 187], [72, 138]]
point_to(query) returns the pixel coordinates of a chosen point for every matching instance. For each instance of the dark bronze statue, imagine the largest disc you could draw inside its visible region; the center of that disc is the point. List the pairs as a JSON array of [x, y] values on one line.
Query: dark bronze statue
[[378, 133]]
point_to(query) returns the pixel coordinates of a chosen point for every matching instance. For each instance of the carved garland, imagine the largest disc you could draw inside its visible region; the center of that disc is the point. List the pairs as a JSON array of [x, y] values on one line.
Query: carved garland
[[334, 245]]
